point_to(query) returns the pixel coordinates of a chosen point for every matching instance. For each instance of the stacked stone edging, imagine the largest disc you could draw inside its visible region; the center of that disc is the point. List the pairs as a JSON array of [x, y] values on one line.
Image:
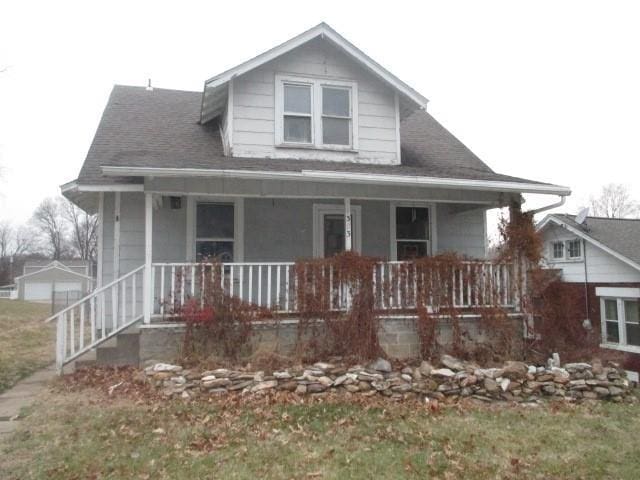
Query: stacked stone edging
[[455, 379]]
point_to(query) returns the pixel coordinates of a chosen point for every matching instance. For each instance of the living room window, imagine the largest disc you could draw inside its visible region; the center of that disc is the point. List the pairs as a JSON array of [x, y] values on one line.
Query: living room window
[[412, 233], [215, 232], [316, 113]]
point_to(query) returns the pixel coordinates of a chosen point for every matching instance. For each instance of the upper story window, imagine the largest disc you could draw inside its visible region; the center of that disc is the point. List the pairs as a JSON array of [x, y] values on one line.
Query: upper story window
[[558, 250], [574, 249], [316, 113], [566, 250]]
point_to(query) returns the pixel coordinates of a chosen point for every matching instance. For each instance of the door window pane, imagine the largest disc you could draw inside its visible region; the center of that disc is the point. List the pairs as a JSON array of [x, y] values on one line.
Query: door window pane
[[611, 309], [335, 131], [207, 250], [333, 234], [412, 223], [297, 98], [336, 102], [297, 129], [409, 250], [214, 220]]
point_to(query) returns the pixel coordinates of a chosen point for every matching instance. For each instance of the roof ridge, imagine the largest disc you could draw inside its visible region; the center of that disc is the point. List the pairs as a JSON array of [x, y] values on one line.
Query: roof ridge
[[596, 217], [143, 87]]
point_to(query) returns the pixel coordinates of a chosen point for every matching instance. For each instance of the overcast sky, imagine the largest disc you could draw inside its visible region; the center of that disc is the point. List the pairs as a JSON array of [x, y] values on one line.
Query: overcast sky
[[543, 90]]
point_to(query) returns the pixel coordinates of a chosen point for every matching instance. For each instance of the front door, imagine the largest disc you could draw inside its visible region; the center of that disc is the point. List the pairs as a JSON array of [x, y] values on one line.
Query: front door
[[329, 237]]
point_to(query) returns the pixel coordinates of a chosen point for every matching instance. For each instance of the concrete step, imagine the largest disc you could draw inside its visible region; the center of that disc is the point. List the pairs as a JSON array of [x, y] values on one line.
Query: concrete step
[[126, 350]]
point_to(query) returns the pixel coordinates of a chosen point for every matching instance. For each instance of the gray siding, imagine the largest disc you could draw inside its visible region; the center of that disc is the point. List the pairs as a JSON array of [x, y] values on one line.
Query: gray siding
[[282, 229], [254, 106], [278, 229], [463, 231]]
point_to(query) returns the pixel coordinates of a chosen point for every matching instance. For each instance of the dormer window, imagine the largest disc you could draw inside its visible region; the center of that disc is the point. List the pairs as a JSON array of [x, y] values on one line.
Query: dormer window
[[316, 113]]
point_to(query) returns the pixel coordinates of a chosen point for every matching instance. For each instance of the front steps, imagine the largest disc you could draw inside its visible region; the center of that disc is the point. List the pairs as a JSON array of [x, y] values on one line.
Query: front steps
[[121, 350]]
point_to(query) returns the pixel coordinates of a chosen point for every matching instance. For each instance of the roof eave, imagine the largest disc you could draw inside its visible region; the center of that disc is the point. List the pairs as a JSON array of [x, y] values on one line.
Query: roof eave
[[343, 177]]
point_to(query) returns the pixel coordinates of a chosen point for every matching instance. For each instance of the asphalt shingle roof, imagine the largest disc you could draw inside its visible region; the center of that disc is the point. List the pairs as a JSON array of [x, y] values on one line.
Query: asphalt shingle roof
[[160, 128], [619, 234]]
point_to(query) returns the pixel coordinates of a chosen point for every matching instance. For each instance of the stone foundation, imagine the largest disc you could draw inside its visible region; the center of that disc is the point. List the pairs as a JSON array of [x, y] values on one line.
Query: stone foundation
[[398, 337]]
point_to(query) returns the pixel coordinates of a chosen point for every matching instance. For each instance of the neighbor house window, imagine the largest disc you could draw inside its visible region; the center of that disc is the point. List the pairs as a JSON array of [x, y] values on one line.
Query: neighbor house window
[[214, 232], [558, 250], [411, 232], [574, 249], [316, 113], [621, 321]]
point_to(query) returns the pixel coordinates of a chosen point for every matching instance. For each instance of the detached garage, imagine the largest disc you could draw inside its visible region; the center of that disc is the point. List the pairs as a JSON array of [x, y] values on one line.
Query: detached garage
[[39, 285]]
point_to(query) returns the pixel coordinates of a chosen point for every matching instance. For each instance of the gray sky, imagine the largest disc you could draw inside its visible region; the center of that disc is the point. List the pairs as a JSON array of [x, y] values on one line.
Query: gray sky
[[543, 90]]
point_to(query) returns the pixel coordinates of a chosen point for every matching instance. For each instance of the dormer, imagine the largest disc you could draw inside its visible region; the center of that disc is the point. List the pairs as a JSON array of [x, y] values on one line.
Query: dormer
[[315, 97]]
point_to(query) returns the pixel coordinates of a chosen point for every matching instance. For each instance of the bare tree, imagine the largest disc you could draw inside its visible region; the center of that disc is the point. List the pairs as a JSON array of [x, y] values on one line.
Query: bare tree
[[83, 230], [614, 201], [49, 220]]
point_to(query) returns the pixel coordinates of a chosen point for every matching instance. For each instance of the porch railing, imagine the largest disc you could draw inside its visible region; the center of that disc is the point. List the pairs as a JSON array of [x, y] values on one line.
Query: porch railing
[[273, 285], [99, 316]]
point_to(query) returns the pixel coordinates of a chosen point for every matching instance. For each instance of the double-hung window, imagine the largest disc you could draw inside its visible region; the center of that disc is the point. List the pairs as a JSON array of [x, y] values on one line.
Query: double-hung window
[[316, 113], [621, 322], [412, 232], [215, 232]]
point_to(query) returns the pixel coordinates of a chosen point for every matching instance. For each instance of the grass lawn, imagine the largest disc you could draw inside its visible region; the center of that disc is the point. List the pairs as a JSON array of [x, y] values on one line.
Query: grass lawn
[[74, 434], [26, 344]]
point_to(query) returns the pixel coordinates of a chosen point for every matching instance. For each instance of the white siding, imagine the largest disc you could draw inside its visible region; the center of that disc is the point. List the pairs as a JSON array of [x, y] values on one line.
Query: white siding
[[254, 107], [601, 266], [462, 231]]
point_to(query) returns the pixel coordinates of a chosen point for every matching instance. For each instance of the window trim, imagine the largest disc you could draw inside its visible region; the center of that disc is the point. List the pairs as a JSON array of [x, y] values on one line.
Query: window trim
[[393, 240], [565, 251], [322, 209], [316, 84], [238, 225], [621, 322]]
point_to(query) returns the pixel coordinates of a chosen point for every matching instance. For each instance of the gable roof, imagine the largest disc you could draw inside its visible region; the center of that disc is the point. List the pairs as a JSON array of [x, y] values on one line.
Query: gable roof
[[216, 87], [54, 266], [161, 129], [618, 236]]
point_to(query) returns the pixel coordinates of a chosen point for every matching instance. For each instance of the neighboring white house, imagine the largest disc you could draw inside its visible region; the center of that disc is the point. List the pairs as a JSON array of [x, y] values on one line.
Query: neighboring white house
[[42, 279], [601, 256], [308, 149]]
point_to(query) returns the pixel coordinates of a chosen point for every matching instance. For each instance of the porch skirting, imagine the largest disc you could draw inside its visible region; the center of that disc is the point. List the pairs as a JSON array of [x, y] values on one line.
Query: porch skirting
[[398, 337]]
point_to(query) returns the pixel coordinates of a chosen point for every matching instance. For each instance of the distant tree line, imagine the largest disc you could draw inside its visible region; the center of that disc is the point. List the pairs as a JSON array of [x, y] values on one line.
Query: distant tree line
[[57, 230]]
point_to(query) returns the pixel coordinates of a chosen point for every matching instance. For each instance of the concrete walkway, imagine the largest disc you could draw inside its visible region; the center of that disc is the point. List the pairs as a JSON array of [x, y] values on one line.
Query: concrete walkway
[[22, 395]]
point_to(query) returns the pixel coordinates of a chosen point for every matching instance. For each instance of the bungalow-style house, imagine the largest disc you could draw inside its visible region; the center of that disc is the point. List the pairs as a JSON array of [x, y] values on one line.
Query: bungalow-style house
[[42, 279], [306, 150], [601, 257]]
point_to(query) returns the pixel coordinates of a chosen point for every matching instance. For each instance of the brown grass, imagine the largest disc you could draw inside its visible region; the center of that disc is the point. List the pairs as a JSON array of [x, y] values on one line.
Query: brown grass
[[26, 344]]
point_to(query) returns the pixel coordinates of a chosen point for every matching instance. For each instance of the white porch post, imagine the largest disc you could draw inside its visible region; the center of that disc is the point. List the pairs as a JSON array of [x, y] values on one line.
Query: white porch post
[[148, 232], [348, 233]]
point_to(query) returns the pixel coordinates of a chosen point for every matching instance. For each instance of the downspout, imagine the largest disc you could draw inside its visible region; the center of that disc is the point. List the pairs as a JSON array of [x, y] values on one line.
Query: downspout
[[586, 281], [559, 203]]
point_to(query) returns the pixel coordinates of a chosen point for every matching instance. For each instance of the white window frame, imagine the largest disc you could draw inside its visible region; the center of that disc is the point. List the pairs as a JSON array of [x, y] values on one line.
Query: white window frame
[[316, 84], [319, 212], [553, 250], [619, 295], [238, 225], [431, 242], [565, 251]]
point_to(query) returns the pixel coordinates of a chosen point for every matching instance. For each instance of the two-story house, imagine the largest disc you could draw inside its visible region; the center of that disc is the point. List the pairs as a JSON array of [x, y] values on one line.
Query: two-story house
[[306, 150]]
